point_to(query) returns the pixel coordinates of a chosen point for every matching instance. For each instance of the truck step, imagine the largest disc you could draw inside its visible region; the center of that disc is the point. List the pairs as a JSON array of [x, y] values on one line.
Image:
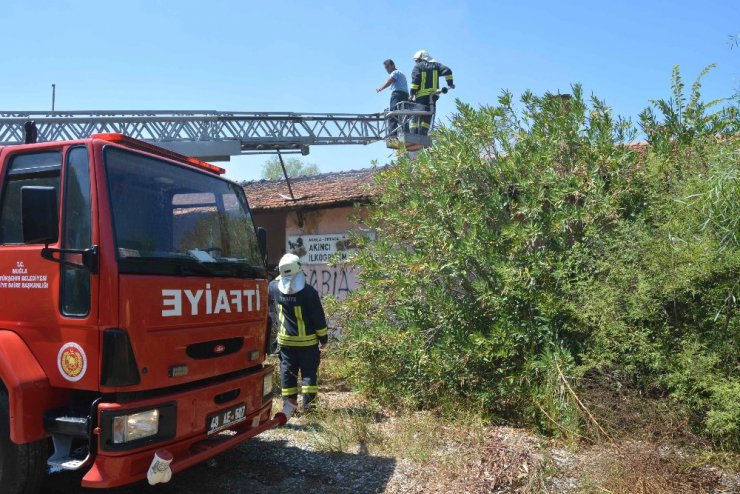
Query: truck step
[[68, 463], [66, 458]]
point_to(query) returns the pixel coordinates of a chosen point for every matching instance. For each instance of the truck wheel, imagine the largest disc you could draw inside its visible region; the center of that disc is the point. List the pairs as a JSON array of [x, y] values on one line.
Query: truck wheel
[[22, 466]]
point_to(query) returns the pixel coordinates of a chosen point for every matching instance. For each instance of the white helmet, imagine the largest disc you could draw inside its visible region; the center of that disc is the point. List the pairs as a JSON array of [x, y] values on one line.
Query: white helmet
[[422, 55], [290, 265], [292, 279]]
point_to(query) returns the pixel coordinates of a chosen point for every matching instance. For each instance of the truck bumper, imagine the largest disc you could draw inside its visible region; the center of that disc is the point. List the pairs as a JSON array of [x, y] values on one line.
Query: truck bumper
[[191, 444]]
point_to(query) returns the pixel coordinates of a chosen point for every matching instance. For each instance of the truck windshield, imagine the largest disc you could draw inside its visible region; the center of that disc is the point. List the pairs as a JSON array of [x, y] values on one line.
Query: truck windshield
[[172, 220]]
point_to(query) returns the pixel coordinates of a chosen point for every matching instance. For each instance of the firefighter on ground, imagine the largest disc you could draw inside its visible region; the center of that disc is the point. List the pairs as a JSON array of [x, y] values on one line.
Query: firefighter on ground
[[424, 83], [301, 324]]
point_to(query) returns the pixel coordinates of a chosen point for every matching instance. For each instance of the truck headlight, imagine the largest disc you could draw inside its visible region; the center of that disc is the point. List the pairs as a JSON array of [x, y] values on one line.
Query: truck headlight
[[267, 385], [127, 428]]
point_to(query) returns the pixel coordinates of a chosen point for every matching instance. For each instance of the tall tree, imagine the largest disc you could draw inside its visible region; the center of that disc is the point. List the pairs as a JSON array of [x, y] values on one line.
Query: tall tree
[[295, 168]]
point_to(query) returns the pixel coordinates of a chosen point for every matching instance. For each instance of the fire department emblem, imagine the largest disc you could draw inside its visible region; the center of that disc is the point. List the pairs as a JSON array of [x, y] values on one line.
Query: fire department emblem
[[72, 362]]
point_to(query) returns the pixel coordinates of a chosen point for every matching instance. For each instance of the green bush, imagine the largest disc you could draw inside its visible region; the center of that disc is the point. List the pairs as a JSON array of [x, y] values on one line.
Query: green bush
[[532, 244]]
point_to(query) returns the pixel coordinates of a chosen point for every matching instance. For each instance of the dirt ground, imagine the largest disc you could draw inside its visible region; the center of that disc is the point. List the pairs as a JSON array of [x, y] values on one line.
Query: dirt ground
[[265, 465], [277, 461], [346, 449]]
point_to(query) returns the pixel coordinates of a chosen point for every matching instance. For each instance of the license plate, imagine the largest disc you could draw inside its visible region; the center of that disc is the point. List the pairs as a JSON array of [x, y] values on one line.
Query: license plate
[[226, 418]]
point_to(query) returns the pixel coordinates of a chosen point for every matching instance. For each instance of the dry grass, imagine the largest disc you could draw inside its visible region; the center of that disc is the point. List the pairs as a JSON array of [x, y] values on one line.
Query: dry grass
[[649, 446], [644, 467], [626, 413], [512, 461], [465, 456], [440, 451], [345, 422], [636, 445]]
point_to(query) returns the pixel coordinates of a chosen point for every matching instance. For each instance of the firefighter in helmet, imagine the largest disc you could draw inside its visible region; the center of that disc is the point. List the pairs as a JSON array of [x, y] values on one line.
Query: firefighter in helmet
[[424, 83], [301, 328]]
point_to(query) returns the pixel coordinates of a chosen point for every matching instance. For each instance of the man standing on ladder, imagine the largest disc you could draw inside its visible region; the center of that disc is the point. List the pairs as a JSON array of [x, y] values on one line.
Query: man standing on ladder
[[400, 92], [424, 83], [301, 327]]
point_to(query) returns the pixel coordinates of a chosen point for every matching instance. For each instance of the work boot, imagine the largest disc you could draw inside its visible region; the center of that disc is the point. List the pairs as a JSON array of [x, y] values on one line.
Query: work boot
[[309, 402], [289, 407]]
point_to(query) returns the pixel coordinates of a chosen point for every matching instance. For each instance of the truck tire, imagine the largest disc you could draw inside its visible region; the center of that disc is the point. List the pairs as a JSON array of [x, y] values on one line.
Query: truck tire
[[22, 466]]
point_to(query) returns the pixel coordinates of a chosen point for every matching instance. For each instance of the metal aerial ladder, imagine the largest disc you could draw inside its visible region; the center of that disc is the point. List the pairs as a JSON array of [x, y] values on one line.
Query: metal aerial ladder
[[213, 135]]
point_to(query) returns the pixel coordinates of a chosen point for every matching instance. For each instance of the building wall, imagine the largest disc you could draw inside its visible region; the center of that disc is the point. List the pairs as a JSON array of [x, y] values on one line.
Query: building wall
[[332, 222], [274, 223], [326, 279]]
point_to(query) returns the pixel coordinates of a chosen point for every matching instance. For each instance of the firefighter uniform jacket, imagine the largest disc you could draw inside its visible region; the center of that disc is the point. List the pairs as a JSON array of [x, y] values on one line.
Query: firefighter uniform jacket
[[300, 317], [425, 78]]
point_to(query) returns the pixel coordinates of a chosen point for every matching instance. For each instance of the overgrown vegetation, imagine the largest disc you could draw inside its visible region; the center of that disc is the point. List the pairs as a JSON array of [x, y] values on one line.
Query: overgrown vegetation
[[534, 256]]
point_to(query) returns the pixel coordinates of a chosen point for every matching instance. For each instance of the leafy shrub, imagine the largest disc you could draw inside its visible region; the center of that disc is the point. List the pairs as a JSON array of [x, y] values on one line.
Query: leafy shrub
[[533, 242]]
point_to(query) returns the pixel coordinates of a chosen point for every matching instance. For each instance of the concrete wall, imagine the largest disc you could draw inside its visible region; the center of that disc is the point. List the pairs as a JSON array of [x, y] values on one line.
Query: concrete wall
[[274, 223], [334, 220], [328, 280], [336, 281]]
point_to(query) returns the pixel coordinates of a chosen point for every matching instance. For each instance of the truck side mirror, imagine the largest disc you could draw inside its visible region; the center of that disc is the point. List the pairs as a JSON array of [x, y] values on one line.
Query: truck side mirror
[[262, 242], [39, 215]]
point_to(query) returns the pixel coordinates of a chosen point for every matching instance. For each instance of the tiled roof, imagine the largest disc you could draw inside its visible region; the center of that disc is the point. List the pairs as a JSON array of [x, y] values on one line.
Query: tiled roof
[[324, 190], [639, 147], [327, 189]]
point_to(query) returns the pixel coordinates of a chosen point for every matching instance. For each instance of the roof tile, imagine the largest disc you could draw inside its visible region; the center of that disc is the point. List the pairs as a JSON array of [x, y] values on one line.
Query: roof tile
[[323, 190]]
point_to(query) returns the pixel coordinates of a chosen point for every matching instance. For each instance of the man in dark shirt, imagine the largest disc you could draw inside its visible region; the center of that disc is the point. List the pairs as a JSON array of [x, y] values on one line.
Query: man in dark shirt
[[301, 322]]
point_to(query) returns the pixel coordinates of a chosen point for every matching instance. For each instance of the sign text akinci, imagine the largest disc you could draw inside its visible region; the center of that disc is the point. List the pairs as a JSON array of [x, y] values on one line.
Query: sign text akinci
[[321, 248]]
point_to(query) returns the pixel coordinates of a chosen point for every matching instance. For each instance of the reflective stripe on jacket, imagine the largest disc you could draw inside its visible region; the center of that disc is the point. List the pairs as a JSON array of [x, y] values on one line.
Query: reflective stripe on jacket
[[300, 317], [425, 77]]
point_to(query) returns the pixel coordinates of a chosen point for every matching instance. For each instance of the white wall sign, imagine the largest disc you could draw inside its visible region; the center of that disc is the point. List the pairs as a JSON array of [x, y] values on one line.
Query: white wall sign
[[320, 248]]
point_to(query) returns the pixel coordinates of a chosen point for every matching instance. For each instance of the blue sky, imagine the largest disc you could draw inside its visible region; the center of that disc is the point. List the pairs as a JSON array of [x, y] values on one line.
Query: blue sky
[[327, 56]]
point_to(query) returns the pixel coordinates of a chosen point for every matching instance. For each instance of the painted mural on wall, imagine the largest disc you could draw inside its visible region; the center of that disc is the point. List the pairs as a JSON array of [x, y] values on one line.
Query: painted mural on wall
[[315, 251]]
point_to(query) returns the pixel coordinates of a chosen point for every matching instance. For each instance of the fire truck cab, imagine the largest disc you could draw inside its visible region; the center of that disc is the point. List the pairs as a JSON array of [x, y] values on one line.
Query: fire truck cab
[[133, 312]]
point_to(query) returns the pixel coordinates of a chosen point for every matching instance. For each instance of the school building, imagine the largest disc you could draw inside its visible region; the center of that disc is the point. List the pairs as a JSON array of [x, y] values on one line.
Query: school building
[[311, 217]]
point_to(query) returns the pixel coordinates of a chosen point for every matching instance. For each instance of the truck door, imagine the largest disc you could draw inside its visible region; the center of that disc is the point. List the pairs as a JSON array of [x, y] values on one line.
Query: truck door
[[47, 302]]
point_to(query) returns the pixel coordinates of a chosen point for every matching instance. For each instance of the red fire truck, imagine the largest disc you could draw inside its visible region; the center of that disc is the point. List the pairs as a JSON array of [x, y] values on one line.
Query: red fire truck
[[133, 312]]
